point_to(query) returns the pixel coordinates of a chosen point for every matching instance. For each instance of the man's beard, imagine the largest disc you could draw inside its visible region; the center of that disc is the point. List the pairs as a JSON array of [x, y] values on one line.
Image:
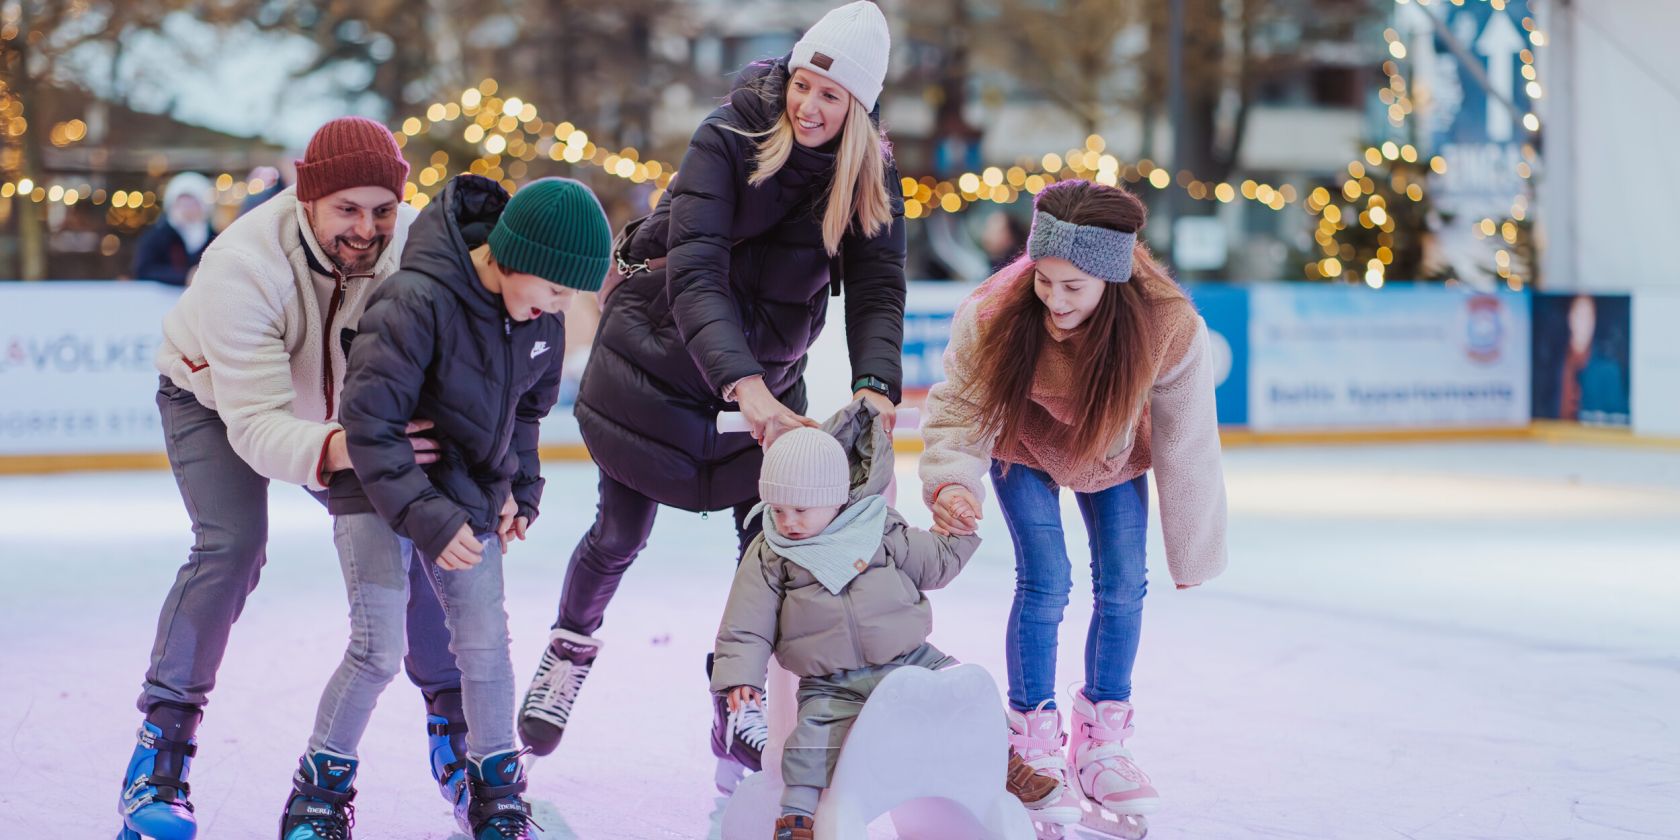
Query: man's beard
[[352, 260]]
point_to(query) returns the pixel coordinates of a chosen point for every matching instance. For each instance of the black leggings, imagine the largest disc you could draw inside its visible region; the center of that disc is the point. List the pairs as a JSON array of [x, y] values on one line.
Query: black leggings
[[623, 520]]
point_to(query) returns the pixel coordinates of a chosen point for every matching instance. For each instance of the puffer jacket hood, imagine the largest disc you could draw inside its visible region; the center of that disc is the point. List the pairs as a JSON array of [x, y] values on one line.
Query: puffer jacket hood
[[862, 432], [441, 241]]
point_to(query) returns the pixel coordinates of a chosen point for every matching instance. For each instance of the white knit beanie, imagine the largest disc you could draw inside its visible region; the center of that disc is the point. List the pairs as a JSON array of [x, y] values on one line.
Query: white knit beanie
[[805, 468], [849, 45]]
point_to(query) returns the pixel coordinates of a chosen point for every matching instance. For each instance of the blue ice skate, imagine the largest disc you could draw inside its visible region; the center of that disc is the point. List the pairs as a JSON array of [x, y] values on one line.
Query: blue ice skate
[[320, 805], [153, 802], [446, 730], [493, 808]]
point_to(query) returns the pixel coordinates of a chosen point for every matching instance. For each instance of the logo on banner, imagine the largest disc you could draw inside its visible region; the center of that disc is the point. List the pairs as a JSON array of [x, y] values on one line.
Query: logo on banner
[[1484, 329], [73, 353]]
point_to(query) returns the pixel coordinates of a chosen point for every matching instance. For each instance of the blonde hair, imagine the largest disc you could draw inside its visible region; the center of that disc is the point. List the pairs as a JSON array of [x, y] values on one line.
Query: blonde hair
[[859, 187]]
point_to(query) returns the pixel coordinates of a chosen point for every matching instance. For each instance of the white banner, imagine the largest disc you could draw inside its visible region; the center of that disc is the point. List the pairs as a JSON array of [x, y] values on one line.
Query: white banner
[[1656, 363], [77, 369], [1399, 357]]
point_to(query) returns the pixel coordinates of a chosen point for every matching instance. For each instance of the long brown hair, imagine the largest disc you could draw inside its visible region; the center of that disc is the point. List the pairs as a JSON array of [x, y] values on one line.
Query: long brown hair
[[1115, 356]]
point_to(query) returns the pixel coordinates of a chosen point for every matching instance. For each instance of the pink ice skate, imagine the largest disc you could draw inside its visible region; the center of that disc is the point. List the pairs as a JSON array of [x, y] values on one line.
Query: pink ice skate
[[1037, 737], [1117, 792]]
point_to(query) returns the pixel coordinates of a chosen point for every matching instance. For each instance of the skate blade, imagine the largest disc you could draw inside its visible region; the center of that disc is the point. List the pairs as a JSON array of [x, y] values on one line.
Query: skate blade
[[728, 776], [1049, 831], [1096, 818]]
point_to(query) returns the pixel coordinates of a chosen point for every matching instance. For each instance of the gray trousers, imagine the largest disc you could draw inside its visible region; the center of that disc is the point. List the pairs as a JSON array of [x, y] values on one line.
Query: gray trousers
[[829, 705], [228, 504], [379, 570]]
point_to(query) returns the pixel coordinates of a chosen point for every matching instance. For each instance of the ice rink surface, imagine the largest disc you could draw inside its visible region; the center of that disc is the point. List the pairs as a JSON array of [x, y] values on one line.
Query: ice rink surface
[[1412, 641]]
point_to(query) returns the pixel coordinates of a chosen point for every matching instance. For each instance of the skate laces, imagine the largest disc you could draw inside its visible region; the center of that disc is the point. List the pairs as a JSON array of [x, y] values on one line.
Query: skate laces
[[335, 827], [748, 719], [1035, 748], [512, 824], [555, 687], [508, 822]]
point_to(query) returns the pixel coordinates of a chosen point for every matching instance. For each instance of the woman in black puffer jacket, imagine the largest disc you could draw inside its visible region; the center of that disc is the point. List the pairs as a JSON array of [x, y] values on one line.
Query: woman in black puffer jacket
[[786, 189]]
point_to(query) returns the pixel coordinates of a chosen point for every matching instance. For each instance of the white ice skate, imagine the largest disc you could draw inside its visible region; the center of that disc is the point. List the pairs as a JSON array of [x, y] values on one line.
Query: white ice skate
[[1037, 737], [1115, 792]]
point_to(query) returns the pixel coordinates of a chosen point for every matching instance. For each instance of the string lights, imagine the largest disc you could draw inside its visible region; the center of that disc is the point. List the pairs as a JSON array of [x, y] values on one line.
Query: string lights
[[507, 135], [1516, 229]]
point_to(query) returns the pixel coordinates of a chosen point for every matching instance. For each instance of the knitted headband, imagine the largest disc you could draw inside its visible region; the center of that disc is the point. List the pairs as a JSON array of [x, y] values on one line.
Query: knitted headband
[[1097, 251]]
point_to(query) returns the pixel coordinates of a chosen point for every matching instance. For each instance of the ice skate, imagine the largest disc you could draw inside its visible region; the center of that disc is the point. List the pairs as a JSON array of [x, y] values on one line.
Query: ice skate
[[320, 805], [1036, 744], [1115, 793], [548, 702], [738, 739], [494, 808], [446, 734], [794, 827], [153, 802]]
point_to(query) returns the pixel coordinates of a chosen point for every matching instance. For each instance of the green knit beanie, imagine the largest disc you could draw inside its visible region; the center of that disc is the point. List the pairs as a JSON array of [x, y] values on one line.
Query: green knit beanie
[[554, 228]]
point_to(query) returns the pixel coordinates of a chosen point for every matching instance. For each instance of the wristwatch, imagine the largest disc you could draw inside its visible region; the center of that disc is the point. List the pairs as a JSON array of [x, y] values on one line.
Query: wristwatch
[[872, 383]]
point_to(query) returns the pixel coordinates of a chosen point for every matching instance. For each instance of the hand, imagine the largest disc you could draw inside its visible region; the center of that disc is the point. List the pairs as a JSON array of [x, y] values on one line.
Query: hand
[[425, 448], [463, 552], [956, 512], [888, 411], [338, 453], [742, 695], [512, 524], [765, 415]]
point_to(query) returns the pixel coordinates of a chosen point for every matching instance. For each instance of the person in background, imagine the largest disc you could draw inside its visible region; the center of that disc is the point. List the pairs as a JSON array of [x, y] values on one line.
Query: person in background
[[1002, 238], [169, 250], [278, 178]]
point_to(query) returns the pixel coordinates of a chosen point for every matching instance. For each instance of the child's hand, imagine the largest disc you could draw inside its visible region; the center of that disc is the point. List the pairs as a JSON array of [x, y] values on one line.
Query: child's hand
[[956, 512], [463, 552], [512, 524], [425, 448], [742, 695]]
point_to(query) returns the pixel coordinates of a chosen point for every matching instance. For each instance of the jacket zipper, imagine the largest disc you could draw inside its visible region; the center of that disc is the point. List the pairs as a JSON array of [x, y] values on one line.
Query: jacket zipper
[[851, 624], [326, 340], [507, 390]]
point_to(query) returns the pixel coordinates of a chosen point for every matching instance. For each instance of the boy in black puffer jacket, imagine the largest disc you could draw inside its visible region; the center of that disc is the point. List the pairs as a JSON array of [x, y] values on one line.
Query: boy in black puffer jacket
[[468, 337]]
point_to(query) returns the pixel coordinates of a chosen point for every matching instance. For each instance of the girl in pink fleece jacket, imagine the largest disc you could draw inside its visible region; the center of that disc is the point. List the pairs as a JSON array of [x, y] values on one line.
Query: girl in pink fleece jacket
[[1082, 365]]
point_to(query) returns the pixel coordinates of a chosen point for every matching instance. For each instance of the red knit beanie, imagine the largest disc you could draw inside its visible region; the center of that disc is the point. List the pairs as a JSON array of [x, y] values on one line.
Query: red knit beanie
[[350, 152]]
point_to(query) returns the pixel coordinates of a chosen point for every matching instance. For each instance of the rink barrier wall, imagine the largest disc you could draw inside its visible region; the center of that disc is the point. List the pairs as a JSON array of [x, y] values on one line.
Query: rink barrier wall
[[76, 364], [1545, 431]]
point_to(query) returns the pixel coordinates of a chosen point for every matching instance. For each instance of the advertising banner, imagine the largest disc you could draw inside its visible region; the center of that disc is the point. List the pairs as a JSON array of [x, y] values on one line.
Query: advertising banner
[[76, 366], [1400, 357], [1583, 358]]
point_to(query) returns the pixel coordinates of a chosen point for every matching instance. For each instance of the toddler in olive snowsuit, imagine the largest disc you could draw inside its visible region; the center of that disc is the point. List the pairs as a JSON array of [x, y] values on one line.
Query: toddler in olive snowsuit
[[833, 587]]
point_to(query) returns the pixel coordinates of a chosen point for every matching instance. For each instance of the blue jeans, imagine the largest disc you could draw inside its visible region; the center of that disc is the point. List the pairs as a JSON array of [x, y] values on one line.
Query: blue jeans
[[1118, 522], [377, 565]]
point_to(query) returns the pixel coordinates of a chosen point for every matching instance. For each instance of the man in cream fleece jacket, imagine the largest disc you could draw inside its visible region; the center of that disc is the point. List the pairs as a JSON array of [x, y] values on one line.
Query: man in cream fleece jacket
[[252, 363]]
